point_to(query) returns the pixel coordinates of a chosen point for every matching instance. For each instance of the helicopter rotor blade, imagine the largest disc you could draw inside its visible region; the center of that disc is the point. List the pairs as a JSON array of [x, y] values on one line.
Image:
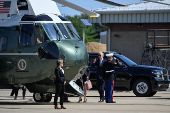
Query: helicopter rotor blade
[[111, 3], [78, 8]]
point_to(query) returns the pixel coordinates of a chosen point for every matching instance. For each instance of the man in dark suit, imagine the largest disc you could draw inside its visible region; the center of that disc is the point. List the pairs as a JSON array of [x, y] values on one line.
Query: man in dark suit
[[109, 77], [99, 75]]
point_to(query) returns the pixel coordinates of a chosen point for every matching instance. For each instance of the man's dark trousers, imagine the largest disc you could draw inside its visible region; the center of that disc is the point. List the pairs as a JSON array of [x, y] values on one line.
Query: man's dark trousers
[[100, 87]]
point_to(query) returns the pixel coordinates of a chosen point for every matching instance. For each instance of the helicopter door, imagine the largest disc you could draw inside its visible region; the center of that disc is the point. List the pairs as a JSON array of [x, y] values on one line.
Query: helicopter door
[[26, 38], [76, 87], [3, 47], [26, 47]]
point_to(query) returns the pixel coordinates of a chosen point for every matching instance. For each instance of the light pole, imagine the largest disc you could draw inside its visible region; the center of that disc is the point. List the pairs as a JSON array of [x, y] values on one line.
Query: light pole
[[85, 23]]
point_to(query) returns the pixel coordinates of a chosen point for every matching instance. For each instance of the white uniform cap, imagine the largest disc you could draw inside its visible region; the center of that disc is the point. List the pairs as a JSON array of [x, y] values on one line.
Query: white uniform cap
[[109, 55]]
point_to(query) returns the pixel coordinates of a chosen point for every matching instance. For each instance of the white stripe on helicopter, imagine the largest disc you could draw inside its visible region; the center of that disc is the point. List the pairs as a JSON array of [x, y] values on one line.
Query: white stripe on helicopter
[[18, 54]]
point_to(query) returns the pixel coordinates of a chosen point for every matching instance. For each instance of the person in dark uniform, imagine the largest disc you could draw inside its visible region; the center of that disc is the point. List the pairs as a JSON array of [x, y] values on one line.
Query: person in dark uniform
[[99, 75], [81, 84], [109, 77], [60, 83], [15, 89]]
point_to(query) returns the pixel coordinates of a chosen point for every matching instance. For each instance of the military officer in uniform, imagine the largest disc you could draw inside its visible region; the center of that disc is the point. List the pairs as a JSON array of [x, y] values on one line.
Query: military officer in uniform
[[99, 75], [109, 77]]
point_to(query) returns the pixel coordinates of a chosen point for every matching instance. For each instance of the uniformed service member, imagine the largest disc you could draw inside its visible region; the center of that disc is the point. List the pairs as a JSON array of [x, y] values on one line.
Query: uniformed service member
[[109, 77]]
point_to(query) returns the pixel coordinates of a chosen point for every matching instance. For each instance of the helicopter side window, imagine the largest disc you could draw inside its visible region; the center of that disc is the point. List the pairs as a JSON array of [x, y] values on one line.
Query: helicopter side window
[[3, 43], [40, 34], [26, 38], [49, 51]]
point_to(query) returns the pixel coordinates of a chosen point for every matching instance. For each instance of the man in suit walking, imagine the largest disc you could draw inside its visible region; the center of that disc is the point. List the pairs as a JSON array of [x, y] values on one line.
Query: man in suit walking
[[99, 75]]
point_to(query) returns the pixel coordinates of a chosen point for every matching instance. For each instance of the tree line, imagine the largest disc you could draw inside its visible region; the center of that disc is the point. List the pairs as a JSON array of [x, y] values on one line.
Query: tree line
[[92, 33]]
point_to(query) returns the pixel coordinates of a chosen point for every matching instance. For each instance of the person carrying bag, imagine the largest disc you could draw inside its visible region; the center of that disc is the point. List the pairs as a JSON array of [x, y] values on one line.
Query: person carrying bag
[[80, 83], [88, 85]]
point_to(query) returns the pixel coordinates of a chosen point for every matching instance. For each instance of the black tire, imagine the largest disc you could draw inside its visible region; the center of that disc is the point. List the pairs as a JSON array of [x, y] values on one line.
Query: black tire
[[141, 88], [38, 97], [48, 97], [153, 93]]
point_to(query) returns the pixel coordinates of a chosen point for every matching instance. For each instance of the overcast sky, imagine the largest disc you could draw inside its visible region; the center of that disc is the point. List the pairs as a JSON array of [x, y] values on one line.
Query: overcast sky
[[90, 4]]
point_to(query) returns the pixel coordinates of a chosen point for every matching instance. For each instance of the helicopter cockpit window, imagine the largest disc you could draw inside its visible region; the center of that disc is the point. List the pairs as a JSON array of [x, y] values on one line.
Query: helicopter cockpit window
[[63, 31], [3, 43], [26, 35], [52, 31], [40, 34], [72, 31], [49, 51]]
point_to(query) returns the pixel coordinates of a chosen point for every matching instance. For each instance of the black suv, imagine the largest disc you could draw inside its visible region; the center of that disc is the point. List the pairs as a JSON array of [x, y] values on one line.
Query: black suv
[[143, 80]]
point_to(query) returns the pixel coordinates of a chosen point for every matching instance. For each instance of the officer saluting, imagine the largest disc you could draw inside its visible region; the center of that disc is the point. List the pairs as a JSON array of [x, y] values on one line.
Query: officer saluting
[[109, 77]]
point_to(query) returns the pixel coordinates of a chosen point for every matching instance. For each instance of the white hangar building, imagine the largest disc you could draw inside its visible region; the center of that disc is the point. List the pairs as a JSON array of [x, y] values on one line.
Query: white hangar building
[[127, 26]]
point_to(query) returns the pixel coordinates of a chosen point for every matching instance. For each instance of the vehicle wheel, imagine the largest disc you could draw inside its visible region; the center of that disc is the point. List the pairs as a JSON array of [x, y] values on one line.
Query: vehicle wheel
[[48, 97], [38, 97], [142, 88], [153, 93]]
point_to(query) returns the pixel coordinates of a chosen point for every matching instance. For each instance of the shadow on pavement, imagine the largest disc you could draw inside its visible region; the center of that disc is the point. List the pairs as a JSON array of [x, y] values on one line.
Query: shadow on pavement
[[8, 108], [160, 98], [25, 103]]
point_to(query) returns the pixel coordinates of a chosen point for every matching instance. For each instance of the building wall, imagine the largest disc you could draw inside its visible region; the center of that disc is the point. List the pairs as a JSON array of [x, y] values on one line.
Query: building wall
[[132, 37], [103, 39]]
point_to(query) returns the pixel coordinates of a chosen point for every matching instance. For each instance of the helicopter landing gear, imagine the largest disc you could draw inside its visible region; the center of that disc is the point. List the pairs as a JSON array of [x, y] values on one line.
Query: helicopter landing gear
[[48, 97], [40, 97]]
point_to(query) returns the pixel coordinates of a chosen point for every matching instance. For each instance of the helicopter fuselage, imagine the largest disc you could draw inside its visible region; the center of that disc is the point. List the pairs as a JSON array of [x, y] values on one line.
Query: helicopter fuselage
[[28, 52]]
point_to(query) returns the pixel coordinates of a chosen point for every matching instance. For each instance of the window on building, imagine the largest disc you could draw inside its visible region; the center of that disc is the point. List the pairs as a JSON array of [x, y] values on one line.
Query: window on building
[[3, 43], [26, 38]]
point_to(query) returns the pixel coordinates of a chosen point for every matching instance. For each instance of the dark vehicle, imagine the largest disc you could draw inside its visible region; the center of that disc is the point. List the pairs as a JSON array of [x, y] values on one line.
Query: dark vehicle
[[143, 80]]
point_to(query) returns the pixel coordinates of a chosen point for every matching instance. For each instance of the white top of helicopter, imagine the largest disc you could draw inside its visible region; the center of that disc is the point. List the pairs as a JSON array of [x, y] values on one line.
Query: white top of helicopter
[[10, 13], [35, 7]]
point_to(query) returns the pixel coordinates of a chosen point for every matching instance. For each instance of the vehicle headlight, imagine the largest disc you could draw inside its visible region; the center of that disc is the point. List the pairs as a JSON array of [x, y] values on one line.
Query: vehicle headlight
[[158, 74]]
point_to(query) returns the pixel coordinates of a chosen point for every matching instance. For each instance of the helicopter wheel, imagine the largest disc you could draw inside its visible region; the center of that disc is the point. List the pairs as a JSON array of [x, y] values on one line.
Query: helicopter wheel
[[48, 97], [38, 97]]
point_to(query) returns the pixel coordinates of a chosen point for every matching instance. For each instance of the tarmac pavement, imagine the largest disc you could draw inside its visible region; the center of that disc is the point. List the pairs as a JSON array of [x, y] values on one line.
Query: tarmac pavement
[[126, 102]]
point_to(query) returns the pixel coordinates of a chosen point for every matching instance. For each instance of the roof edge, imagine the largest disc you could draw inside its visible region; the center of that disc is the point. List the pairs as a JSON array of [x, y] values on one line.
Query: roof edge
[[133, 11]]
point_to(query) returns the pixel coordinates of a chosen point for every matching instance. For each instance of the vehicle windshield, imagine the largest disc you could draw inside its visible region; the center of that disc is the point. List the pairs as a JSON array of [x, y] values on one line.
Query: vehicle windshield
[[60, 31], [126, 60]]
